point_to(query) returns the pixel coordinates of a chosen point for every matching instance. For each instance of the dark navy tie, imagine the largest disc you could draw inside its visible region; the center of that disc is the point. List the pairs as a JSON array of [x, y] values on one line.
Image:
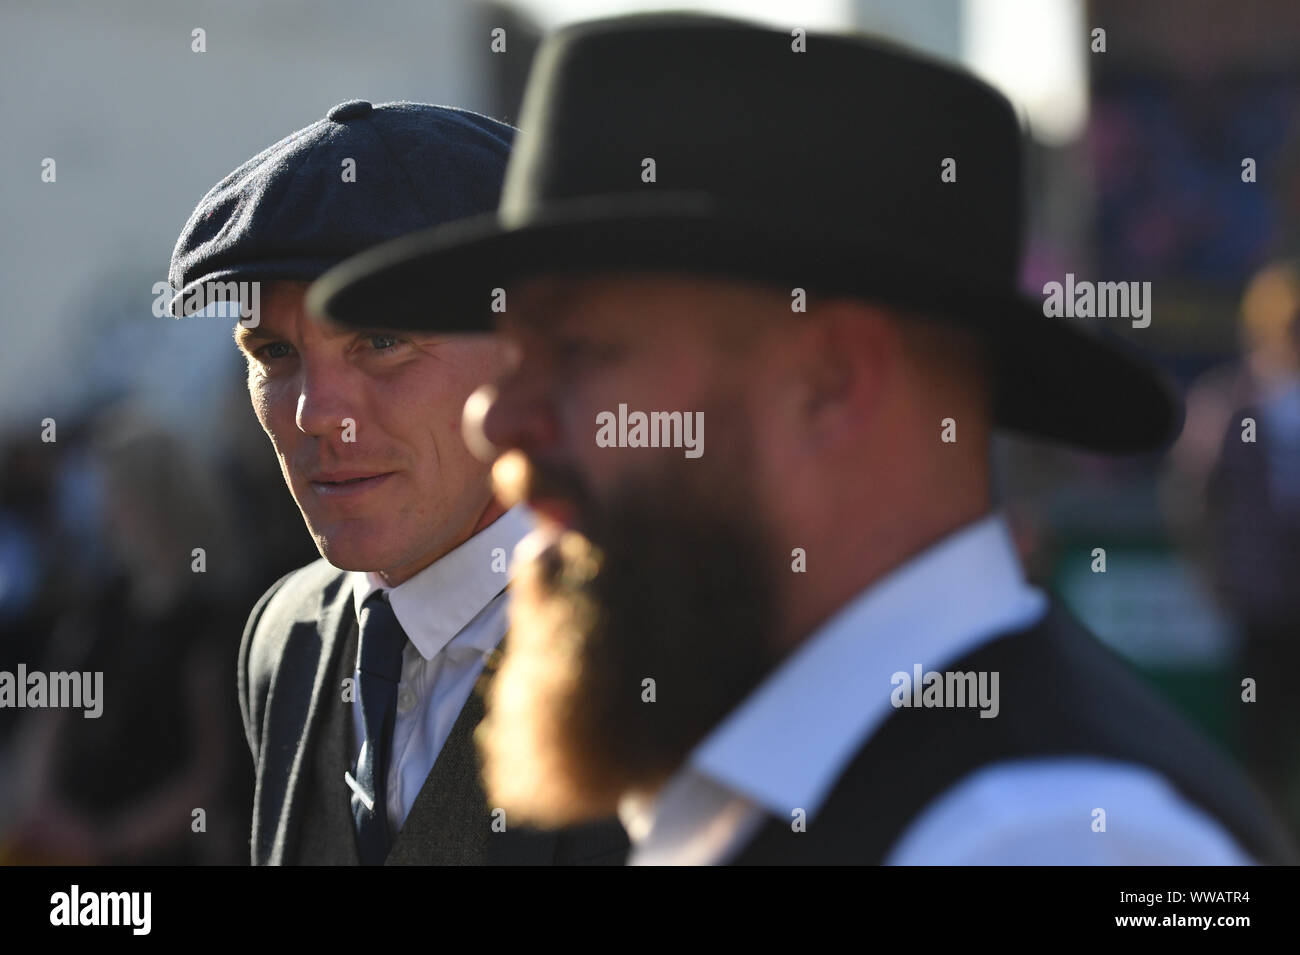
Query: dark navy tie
[[379, 668]]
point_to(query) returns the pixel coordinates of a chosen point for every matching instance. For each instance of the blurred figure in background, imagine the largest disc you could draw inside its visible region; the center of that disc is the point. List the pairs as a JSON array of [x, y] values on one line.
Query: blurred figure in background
[[162, 628], [27, 533], [50, 559], [1253, 510]]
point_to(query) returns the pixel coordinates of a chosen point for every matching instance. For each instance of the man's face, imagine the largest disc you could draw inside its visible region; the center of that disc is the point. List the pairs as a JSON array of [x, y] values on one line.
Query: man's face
[[366, 425], [653, 342], [652, 564]]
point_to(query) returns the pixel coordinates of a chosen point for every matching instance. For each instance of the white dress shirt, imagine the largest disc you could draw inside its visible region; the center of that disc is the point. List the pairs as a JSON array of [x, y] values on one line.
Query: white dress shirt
[[454, 615], [787, 743]]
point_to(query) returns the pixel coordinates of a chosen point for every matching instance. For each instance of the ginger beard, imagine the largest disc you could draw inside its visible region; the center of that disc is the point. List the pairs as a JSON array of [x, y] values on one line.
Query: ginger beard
[[671, 585]]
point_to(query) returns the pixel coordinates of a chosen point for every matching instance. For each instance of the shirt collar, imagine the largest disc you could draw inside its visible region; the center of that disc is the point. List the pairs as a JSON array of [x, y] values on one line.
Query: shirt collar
[[437, 603], [785, 745]]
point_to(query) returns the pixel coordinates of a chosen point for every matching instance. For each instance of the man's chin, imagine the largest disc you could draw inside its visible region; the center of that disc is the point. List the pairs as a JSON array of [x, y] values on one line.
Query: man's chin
[[360, 548], [618, 661]]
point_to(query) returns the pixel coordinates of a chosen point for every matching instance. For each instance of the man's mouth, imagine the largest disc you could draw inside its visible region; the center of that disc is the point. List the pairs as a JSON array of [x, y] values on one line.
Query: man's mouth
[[347, 483]]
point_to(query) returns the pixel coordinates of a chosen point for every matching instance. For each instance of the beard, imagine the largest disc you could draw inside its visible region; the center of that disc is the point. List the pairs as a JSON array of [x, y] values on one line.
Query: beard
[[630, 641]]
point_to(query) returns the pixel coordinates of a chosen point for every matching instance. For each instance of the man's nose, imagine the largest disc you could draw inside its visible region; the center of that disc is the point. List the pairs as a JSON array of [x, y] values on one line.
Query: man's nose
[[514, 413], [324, 408]]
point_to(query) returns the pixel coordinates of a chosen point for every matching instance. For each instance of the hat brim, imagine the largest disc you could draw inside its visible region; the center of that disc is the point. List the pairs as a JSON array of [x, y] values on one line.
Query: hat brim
[[1056, 379]]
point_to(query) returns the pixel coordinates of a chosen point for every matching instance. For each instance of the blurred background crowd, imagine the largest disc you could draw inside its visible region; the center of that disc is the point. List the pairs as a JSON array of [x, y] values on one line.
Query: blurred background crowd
[[1135, 160]]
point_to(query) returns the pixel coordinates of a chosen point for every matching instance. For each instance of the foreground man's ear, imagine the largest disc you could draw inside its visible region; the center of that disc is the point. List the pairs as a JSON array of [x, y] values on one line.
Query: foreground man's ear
[[471, 423]]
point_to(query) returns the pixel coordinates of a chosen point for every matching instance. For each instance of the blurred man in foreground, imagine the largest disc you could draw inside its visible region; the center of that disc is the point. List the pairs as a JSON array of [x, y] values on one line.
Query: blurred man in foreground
[[760, 346]]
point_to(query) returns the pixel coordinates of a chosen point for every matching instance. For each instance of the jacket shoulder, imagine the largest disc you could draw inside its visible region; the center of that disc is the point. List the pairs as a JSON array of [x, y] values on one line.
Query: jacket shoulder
[[296, 597]]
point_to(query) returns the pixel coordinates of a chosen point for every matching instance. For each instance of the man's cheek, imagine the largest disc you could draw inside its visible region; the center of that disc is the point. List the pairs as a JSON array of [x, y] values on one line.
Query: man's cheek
[[274, 408], [258, 388], [280, 427]]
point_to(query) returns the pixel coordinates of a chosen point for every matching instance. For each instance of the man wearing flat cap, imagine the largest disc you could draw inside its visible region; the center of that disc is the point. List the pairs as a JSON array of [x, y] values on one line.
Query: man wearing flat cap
[[760, 344], [357, 674]]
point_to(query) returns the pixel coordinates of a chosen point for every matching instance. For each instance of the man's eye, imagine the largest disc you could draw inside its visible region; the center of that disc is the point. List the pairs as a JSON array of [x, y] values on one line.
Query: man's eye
[[272, 351], [382, 342]]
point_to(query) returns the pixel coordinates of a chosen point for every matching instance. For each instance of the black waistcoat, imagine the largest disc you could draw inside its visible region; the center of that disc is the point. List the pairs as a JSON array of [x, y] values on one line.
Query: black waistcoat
[[1062, 693]]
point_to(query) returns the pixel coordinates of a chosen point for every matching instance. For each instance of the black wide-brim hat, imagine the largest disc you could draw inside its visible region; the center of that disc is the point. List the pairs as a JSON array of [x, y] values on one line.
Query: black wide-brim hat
[[814, 162]]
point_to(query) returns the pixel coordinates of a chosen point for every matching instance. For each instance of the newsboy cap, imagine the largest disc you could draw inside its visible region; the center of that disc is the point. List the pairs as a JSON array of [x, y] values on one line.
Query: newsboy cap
[[362, 175]]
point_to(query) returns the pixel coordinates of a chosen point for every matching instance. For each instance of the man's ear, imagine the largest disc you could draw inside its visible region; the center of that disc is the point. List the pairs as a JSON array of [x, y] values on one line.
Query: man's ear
[[850, 351]]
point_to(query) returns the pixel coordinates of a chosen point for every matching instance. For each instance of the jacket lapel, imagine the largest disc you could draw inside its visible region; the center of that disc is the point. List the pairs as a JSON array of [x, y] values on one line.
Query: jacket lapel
[[311, 652], [326, 832]]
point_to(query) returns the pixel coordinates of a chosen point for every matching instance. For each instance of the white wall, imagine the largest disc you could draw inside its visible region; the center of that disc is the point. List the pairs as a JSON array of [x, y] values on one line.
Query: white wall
[[141, 128]]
